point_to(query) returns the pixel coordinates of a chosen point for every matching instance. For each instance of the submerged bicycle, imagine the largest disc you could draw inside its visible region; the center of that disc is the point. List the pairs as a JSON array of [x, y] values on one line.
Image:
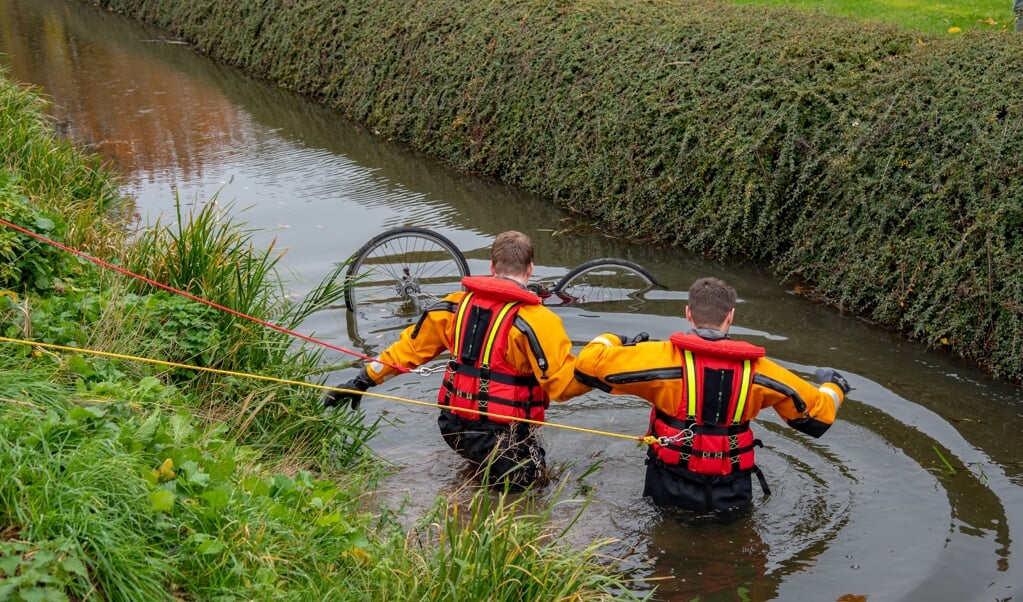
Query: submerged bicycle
[[402, 271]]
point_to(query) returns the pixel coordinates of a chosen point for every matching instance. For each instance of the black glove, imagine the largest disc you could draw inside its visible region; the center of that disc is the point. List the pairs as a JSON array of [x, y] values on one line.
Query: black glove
[[639, 338], [827, 375], [361, 382]]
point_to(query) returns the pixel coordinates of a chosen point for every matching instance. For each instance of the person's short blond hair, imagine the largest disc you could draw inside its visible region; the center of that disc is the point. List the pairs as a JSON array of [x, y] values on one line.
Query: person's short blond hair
[[511, 253]]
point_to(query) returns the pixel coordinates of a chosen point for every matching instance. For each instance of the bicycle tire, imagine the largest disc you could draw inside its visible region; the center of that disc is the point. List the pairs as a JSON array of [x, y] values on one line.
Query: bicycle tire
[[603, 280], [397, 274]]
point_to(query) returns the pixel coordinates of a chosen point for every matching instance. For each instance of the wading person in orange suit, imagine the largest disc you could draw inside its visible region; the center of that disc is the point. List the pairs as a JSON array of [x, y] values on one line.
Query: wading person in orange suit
[[510, 356], [705, 389]]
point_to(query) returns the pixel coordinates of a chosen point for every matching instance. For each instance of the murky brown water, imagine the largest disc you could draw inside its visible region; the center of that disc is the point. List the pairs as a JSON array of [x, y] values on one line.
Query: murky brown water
[[915, 494]]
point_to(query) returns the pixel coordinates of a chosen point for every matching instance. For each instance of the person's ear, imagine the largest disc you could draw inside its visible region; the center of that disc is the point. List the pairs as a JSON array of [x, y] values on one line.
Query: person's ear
[[729, 318], [492, 272], [689, 315]]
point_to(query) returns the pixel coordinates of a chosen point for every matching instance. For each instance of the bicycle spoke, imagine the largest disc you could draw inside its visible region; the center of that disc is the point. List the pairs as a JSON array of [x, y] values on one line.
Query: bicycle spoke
[[394, 277]]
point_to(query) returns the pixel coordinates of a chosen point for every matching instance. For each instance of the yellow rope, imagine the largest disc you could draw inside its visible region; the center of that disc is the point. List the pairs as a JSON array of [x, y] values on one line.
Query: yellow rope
[[646, 439]]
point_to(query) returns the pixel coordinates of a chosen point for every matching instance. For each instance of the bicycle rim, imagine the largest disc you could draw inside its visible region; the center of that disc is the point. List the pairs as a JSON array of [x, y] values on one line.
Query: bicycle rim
[[394, 277], [606, 280]]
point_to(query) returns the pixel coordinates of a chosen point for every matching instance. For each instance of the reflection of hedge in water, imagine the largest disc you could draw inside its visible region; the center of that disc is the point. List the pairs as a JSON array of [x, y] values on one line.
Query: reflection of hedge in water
[[880, 168]]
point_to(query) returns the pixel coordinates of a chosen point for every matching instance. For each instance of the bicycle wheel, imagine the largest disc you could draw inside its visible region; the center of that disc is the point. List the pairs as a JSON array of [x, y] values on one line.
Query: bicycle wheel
[[604, 280], [396, 275]]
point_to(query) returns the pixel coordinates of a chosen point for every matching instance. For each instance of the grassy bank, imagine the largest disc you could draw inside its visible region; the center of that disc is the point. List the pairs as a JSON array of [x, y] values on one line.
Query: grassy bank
[[874, 165], [927, 16], [155, 448]]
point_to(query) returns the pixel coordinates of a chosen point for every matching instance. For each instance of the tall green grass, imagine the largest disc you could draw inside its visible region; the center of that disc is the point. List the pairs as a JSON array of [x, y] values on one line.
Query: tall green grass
[[65, 481], [57, 176], [122, 493], [154, 503], [481, 545], [928, 16], [207, 253]]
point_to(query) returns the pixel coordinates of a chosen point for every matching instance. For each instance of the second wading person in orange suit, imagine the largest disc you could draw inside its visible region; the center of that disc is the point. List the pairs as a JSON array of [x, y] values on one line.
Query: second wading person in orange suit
[[705, 389], [510, 356]]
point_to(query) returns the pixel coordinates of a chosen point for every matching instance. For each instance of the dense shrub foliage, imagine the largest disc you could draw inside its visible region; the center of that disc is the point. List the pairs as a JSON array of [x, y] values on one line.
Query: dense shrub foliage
[[878, 167]]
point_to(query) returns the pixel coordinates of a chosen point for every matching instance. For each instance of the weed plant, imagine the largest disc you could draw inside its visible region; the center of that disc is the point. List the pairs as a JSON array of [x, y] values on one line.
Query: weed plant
[[26, 264], [482, 545], [209, 255], [139, 500]]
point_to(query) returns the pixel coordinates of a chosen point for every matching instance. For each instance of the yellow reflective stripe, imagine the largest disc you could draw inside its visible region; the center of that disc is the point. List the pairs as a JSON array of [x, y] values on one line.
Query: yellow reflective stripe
[[459, 323], [690, 384], [495, 326], [747, 376]]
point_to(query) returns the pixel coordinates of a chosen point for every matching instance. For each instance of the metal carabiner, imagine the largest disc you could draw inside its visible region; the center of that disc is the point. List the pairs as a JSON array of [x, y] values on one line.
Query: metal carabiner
[[681, 436], [428, 370]]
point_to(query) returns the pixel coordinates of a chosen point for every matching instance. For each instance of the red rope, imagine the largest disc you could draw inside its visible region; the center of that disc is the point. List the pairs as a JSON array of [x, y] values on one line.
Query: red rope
[[165, 287]]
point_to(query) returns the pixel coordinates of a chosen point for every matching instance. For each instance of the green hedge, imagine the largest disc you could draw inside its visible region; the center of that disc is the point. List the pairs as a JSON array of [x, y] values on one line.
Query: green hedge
[[880, 168]]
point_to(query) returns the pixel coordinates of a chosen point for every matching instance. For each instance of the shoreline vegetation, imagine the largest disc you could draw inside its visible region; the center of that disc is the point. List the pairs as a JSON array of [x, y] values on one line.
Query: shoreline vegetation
[[138, 463], [871, 167]]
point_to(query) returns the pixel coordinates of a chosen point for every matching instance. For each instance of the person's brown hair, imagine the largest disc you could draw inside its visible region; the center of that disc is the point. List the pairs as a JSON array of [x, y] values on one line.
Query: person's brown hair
[[511, 253], [710, 300]]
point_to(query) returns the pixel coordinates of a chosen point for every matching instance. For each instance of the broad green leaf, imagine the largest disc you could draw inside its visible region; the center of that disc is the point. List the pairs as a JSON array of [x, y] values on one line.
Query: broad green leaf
[[162, 500]]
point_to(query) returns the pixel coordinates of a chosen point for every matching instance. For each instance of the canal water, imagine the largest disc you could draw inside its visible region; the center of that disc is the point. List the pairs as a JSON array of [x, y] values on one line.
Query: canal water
[[916, 493]]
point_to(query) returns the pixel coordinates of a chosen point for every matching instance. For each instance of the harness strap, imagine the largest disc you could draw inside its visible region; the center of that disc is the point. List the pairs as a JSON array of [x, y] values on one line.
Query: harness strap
[[709, 480], [500, 377], [703, 429], [762, 479], [684, 473], [485, 374], [450, 390], [687, 451]]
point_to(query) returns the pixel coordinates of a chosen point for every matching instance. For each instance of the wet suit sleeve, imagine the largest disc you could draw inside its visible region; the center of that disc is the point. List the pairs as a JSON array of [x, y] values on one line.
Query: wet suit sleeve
[[419, 343], [651, 370], [538, 336], [805, 406]]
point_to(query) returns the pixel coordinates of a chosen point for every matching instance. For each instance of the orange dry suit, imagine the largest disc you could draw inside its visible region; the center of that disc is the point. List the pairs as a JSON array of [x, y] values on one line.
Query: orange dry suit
[[708, 437], [705, 389], [478, 377], [510, 356]]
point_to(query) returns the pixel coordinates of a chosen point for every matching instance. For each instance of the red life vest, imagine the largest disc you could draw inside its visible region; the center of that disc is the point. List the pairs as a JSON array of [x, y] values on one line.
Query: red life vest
[[709, 435], [478, 377]]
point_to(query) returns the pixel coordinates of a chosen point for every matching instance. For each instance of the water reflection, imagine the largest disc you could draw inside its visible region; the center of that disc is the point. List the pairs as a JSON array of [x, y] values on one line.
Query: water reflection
[[914, 494]]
